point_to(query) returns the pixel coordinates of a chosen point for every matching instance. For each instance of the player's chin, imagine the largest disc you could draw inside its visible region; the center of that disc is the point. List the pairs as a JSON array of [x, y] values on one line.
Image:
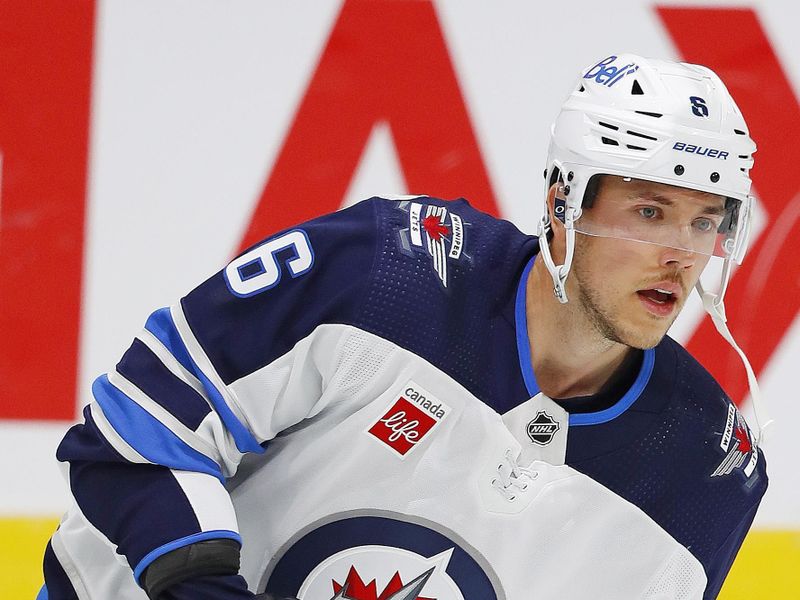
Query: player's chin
[[653, 332], [645, 342], [646, 332]]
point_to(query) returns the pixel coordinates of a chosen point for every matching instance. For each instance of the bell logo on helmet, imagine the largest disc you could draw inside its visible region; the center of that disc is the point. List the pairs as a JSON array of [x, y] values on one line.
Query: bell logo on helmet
[[605, 73], [699, 107]]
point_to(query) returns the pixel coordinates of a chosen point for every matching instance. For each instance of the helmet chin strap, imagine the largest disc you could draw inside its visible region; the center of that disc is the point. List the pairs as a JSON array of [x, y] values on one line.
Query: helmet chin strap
[[559, 273], [715, 307]]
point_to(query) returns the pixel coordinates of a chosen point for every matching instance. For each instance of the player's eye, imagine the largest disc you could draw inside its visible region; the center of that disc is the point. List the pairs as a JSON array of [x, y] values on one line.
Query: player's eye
[[704, 225], [649, 212]]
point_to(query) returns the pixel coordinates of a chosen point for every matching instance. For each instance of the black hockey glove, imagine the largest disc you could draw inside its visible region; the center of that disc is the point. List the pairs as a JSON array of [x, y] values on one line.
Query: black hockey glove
[[209, 557]]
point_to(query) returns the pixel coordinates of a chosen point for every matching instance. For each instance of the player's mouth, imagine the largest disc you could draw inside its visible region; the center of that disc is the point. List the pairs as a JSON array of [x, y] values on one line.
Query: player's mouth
[[661, 299]]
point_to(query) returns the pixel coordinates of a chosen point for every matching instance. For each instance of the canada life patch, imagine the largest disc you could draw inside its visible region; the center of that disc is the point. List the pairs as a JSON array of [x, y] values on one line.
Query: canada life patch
[[410, 417], [436, 232]]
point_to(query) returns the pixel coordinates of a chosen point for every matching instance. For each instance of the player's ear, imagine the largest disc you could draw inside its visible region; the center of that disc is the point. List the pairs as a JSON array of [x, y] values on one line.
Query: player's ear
[[558, 233]]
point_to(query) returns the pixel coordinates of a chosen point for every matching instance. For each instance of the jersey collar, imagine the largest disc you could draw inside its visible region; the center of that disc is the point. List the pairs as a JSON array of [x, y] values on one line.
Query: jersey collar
[[529, 377]]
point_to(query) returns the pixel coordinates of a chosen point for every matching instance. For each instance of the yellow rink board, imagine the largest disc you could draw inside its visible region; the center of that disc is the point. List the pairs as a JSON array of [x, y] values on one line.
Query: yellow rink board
[[766, 568]]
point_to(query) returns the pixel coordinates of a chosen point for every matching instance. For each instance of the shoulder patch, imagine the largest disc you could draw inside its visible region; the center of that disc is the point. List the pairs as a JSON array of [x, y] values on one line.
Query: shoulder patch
[[736, 442], [436, 232]]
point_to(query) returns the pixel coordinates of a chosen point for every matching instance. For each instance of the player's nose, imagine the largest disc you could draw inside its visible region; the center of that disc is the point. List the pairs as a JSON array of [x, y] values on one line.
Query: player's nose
[[677, 257]]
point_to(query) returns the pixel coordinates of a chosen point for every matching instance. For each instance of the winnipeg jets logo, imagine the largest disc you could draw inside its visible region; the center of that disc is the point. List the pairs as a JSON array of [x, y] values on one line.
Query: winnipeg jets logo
[[363, 556], [437, 232], [354, 588], [381, 573], [737, 444]]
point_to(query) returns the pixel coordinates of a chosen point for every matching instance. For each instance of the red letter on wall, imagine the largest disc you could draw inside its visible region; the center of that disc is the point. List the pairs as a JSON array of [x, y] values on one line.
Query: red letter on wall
[[384, 61], [45, 76], [762, 301]]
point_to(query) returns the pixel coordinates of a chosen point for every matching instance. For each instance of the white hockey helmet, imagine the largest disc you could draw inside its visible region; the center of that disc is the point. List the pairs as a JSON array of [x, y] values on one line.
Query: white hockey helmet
[[655, 120]]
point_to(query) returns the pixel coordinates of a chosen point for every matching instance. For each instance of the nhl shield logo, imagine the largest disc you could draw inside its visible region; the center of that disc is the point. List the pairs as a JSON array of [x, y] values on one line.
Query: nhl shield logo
[[542, 428]]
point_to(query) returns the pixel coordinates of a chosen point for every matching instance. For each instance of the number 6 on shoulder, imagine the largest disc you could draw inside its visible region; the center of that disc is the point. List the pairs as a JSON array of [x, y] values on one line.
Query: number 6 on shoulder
[[259, 270]]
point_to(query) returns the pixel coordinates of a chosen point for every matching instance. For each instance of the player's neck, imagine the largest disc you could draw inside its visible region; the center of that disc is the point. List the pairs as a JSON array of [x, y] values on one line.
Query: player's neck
[[569, 357]]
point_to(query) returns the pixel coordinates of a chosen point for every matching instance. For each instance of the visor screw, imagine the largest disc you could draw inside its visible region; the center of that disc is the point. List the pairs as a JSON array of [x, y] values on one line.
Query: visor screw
[[714, 177], [566, 190], [679, 169], [570, 176]]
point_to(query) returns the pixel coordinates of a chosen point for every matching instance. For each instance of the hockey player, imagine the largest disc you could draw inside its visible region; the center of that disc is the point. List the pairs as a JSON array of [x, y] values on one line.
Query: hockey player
[[391, 402]]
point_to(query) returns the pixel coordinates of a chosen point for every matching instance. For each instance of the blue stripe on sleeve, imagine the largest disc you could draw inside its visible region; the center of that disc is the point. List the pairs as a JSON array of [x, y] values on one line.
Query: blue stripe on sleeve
[[151, 438], [161, 325], [143, 368], [186, 541], [42, 595]]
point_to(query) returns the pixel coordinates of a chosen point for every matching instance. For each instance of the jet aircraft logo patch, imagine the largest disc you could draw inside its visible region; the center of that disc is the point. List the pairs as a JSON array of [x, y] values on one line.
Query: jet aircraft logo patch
[[435, 231], [736, 442]]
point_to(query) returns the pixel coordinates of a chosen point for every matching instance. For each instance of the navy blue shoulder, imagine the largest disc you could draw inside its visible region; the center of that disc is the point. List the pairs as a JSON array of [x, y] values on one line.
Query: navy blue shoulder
[[727, 436], [727, 472], [444, 288], [684, 455], [281, 289], [435, 277]]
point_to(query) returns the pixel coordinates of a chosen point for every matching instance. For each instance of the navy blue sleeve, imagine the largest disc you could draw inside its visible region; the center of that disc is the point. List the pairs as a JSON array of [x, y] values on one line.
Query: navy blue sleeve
[[249, 314], [723, 559], [58, 586], [153, 418]]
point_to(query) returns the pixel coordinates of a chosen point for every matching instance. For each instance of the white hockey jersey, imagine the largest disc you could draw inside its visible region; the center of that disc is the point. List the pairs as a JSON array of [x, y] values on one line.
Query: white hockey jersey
[[353, 400]]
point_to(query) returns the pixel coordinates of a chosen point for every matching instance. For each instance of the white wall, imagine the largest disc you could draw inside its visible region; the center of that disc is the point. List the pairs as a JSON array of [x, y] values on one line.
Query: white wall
[[191, 103]]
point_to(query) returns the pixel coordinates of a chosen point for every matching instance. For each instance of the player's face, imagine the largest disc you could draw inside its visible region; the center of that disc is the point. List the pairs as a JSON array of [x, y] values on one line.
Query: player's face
[[620, 284]]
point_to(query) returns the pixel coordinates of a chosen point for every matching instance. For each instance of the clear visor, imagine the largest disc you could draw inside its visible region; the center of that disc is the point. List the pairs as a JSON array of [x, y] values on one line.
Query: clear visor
[[642, 211]]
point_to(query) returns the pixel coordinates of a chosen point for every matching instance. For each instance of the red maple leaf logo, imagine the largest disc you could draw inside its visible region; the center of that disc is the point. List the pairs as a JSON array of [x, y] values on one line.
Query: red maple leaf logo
[[744, 440], [435, 228], [357, 590]]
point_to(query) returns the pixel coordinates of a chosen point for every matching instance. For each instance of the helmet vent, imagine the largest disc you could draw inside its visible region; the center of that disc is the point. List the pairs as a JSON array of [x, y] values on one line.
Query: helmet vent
[[744, 156], [642, 135], [630, 147], [582, 89], [739, 132], [614, 127], [649, 114], [610, 142], [636, 89]]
